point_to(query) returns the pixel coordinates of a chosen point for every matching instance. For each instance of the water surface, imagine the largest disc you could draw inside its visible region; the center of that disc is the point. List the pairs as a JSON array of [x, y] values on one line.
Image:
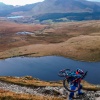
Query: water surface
[[46, 68], [14, 17]]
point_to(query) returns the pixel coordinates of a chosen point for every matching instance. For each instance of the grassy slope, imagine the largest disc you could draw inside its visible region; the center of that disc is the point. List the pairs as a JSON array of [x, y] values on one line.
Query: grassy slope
[[32, 82], [77, 40], [29, 81], [7, 95]]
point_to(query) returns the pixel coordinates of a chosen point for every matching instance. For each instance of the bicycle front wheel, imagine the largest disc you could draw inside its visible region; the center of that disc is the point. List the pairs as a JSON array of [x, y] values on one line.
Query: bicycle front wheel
[[67, 85]]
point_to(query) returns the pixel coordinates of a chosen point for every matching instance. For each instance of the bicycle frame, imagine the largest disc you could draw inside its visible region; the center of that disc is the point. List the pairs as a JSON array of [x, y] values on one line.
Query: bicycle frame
[[77, 80]]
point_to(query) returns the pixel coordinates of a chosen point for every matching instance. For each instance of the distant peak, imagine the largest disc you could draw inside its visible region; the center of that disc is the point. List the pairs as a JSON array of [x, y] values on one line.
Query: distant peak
[[1, 3]]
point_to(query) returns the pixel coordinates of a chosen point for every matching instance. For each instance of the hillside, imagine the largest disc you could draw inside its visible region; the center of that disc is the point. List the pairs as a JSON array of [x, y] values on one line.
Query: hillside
[[65, 6], [8, 10], [5, 9], [53, 6], [28, 88], [77, 40]]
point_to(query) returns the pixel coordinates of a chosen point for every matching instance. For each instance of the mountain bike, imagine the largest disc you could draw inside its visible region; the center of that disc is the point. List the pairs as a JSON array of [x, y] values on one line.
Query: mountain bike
[[68, 79]]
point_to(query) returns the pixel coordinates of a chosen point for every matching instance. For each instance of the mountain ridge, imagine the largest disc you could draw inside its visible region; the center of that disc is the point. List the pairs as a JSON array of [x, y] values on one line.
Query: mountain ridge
[[65, 6], [50, 7]]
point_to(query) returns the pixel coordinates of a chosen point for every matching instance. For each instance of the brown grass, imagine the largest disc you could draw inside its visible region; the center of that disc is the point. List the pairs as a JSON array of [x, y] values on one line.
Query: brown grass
[[82, 47], [32, 82], [29, 81], [77, 40], [9, 38], [8, 95]]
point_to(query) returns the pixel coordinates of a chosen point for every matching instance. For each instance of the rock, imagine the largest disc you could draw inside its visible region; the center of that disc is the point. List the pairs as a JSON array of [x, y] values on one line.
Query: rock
[[63, 91], [97, 95], [28, 77], [24, 33], [50, 91]]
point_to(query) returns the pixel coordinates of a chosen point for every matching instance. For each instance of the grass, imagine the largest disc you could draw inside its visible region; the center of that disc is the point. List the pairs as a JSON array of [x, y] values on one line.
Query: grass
[[33, 82], [29, 81], [77, 40], [85, 48], [8, 95]]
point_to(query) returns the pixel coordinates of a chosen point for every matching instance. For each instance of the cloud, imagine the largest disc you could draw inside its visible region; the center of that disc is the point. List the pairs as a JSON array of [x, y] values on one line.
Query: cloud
[[20, 2], [95, 0]]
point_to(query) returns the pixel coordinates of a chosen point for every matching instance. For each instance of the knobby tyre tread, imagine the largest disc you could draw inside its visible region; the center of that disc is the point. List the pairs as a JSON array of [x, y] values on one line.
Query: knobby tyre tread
[[66, 87]]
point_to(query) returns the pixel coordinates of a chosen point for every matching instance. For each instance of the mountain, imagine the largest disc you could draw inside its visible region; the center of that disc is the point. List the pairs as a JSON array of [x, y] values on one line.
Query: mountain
[[65, 6], [69, 10], [5, 9], [55, 9], [27, 7]]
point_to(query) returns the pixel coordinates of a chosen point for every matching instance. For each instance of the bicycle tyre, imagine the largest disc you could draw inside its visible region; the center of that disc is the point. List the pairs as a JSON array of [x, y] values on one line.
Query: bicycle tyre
[[66, 85], [61, 73]]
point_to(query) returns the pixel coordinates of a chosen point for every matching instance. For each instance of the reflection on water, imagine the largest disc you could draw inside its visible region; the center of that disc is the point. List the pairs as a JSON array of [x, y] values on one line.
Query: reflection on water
[[46, 68]]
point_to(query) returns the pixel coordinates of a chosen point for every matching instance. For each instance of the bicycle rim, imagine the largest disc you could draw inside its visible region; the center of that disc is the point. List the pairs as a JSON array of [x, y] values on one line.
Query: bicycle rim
[[67, 84]]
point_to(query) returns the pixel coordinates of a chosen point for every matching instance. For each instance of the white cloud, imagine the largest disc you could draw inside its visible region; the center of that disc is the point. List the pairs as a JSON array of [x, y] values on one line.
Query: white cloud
[[20, 2], [94, 0], [23, 2]]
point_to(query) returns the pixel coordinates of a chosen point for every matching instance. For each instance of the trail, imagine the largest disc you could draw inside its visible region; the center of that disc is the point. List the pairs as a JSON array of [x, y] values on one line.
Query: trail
[[58, 91]]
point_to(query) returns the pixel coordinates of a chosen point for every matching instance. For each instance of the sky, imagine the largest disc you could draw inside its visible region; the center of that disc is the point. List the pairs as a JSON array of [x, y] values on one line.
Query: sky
[[23, 2], [94, 0], [20, 2]]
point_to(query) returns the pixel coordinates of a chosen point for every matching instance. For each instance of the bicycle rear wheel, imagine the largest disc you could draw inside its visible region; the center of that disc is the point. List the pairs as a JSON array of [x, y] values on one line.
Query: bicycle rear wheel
[[67, 85]]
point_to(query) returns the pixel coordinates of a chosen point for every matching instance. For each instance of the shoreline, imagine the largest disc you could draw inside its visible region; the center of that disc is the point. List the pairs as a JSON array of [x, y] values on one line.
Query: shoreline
[[32, 56], [18, 52], [76, 40], [28, 55]]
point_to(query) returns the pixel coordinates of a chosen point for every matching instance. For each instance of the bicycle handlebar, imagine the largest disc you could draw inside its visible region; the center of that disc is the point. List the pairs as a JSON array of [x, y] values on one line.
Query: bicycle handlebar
[[84, 74]]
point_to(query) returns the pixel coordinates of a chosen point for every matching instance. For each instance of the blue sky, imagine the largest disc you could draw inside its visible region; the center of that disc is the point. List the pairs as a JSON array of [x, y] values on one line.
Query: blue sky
[[23, 2]]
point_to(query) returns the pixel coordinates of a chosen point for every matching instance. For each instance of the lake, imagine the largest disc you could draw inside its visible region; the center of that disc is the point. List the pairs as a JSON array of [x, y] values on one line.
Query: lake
[[14, 17], [47, 68]]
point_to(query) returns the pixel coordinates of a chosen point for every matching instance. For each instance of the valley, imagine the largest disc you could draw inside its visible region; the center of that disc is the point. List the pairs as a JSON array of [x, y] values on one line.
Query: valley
[[65, 32]]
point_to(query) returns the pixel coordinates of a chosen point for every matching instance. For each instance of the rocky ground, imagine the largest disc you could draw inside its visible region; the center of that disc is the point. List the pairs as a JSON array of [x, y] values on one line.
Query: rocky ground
[[59, 91], [45, 91]]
